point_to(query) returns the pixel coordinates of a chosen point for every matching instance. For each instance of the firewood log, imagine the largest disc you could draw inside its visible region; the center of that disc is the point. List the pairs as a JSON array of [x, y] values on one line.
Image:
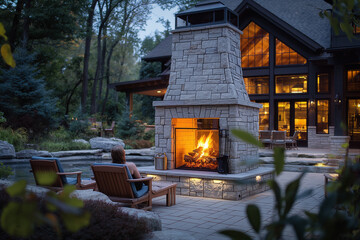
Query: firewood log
[[188, 158]]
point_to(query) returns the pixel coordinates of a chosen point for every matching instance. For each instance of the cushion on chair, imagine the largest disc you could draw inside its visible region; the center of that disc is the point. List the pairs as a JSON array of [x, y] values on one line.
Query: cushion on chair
[[71, 181], [137, 193], [63, 178]]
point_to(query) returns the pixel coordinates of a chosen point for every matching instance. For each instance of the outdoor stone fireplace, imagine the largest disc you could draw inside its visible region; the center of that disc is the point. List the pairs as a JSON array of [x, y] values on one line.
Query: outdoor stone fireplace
[[206, 96]]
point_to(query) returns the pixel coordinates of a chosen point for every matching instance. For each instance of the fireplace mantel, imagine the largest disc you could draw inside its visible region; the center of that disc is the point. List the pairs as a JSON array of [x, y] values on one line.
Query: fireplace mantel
[[172, 103]]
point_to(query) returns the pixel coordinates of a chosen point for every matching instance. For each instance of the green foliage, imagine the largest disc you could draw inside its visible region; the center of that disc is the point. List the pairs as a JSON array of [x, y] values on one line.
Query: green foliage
[[16, 137], [246, 137], [53, 146], [128, 128], [79, 128], [5, 171], [337, 218], [6, 49], [2, 118], [23, 96], [343, 15], [24, 211]]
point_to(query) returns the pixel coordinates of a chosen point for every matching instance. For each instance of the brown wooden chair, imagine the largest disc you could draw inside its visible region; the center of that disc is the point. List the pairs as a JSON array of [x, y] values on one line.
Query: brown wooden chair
[[291, 142], [265, 137], [110, 130], [278, 138], [53, 165], [116, 182]]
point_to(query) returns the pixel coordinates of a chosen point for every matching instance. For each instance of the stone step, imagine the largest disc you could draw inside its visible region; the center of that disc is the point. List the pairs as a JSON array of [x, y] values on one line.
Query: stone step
[[301, 168], [295, 160], [294, 154]]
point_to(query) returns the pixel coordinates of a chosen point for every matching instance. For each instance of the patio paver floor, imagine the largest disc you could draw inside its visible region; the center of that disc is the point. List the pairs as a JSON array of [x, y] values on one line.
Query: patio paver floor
[[202, 218]]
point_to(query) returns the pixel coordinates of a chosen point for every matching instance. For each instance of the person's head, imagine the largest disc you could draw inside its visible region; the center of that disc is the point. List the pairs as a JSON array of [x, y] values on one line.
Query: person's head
[[118, 154]]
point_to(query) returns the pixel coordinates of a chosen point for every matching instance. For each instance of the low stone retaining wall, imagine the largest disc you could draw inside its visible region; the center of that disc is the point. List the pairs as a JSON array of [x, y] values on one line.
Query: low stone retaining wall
[[214, 185]]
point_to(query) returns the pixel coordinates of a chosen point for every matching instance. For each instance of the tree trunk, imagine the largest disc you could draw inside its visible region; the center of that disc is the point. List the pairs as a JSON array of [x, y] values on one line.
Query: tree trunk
[[15, 24], [97, 72], [26, 24], [70, 96], [102, 67], [85, 82], [107, 76]]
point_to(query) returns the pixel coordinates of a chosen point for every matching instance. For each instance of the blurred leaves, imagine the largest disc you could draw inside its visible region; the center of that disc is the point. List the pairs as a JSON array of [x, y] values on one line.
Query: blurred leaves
[[22, 214], [254, 217], [236, 235], [279, 159], [7, 55], [246, 137]]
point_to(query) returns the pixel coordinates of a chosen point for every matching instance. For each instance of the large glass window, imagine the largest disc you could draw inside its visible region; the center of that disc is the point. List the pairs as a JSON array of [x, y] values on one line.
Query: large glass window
[[264, 116], [284, 117], [291, 84], [257, 85], [287, 56], [322, 117], [353, 80], [254, 47], [323, 83], [354, 119]]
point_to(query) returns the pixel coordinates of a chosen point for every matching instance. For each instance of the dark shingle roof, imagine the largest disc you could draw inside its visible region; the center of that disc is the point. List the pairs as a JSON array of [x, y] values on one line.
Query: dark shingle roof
[[161, 51], [303, 15]]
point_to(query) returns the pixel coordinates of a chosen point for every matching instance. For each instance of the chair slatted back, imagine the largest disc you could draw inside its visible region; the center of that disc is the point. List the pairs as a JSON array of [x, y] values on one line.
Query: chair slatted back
[[45, 166], [265, 134], [112, 181], [278, 135]]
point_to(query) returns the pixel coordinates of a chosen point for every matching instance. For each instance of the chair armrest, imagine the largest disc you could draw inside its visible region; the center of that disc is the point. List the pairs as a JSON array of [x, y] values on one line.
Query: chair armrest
[[78, 176], [146, 179], [68, 173]]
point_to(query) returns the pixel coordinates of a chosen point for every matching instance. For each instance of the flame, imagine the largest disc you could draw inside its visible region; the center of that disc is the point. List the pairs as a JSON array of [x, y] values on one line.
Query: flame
[[205, 152]]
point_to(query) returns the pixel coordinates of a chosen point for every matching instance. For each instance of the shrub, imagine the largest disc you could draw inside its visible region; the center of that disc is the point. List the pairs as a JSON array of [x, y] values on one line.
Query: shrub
[[106, 222], [78, 128], [55, 146], [16, 137], [138, 143], [5, 171]]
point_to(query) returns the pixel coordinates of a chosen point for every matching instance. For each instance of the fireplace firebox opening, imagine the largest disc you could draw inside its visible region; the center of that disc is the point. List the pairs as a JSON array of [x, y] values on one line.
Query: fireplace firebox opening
[[196, 143]]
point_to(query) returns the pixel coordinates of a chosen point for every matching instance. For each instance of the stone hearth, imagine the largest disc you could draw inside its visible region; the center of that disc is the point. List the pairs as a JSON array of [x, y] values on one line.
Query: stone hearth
[[206, 82]]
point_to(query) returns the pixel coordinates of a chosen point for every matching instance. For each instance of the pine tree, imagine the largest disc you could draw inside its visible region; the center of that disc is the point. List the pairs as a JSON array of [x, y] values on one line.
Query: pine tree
[[23, 96]]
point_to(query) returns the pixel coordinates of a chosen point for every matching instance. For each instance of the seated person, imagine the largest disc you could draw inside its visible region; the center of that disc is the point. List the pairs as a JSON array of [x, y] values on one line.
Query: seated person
[[118, 156]]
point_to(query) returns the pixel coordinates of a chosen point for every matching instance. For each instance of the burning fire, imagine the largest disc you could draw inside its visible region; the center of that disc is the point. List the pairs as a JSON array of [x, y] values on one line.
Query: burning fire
[[204, 156]]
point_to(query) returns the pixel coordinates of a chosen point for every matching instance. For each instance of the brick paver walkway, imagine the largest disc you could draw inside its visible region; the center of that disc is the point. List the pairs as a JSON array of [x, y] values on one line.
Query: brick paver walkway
[[203, 217]]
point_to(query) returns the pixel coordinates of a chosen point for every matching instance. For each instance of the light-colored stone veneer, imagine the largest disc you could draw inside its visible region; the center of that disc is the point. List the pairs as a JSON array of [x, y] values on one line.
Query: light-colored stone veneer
[[230, 117], [212, 188], [316, 140], [206, 82]]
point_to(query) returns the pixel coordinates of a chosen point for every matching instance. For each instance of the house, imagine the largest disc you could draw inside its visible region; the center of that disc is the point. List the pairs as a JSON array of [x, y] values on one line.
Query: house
[[306, 77]]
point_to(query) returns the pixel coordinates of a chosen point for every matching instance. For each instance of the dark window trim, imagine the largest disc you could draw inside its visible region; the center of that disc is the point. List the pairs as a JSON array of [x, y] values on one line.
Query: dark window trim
[[329, 83]]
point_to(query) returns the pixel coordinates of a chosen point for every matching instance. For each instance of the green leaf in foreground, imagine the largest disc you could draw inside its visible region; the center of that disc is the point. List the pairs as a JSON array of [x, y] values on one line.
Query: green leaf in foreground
[[254, 217], [246, 137], [46, 178], [279, 159], [17, 189], [17, 219], [236, 235]]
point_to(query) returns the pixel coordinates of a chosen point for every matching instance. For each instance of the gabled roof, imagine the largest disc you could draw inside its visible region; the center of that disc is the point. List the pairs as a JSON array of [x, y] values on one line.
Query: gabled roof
[[297, 17], [302, 15], [162, 52]]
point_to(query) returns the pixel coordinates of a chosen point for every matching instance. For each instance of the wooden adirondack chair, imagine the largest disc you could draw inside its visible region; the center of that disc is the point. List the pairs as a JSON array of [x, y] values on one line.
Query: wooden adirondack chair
[[115, 181], [53, 165], [110, 130]]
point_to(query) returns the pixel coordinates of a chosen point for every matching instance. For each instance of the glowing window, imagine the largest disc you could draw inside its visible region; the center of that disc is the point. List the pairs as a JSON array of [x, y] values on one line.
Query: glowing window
[[322, 117], [286, 55], [353, 80], [257, 85], [254, 47], [323, 83], [291, 84]]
